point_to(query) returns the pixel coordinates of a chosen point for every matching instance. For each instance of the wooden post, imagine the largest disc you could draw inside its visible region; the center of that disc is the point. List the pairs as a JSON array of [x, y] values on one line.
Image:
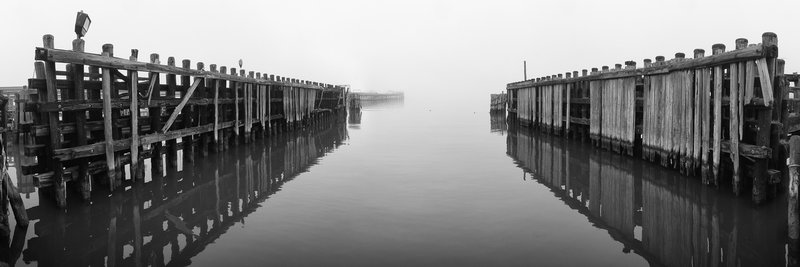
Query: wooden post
[[133, 94], [84, 183], [216, 108], [717, 49], [108, 126], [699, 95], [764, 116], [187, 115], [734, 125], [172, 144], [155, 112], [235, 87], [794, 176], [224, 114]]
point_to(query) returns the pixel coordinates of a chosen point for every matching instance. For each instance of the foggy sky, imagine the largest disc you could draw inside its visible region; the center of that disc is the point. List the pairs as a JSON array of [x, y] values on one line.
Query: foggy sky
[[445, 51]]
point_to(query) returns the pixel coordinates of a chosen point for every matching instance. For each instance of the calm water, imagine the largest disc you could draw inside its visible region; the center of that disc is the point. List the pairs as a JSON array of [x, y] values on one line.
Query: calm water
[[406, 186]]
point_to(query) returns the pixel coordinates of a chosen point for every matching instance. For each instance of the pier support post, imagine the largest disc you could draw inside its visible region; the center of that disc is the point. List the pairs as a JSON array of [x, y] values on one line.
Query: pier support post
[[794, 175]]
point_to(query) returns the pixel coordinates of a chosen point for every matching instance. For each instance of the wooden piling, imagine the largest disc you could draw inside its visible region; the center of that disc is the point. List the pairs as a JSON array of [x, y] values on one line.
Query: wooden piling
[[133, 94], [717, 135], [794, 177], [84, 182], [108, 126]]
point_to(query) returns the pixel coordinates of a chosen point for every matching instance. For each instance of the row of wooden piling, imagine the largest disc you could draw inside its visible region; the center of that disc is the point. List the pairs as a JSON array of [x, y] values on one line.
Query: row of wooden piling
[[195, 203], [700, 115], [94, 124]]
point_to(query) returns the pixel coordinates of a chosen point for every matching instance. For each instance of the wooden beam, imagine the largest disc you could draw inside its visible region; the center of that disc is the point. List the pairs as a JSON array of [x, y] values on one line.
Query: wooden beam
[[180, 106], [66, 56], [749, 53]]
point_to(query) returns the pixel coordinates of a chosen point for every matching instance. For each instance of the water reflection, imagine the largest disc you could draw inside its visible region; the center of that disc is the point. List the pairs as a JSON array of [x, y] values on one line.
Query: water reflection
[[665, 218], [173, 217], [497, 122]]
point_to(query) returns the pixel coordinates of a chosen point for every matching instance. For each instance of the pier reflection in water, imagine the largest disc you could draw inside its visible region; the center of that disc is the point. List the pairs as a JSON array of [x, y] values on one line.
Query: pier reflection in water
[[652, 211], [178, 212]]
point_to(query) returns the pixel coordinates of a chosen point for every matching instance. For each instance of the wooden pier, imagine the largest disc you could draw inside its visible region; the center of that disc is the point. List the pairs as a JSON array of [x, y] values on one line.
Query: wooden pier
[[498, 102], [722, 117], [97, 117]]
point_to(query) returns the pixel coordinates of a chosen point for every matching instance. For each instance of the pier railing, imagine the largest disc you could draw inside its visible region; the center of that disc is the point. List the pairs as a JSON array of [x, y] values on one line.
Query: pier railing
[[123, 110], [726, 114]]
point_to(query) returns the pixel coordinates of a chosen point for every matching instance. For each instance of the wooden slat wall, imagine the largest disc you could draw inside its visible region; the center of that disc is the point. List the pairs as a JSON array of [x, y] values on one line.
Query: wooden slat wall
[[686, 116]]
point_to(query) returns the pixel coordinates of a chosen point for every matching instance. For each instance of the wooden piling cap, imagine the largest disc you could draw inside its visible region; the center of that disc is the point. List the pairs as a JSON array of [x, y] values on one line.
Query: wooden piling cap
[[717, 49], [171, 61], [594, 70], [154, 58], [617, 66], [251, 74], [201, 66], [134, 54], [78, 45], [223, 69], [647, 61], [584, 72], [605, 68], [568, 75], [258, 75], [186, 63], [272, 77], [741, 43], [233, 71], [538, 79], [659, 58], [680, 55], [769, 38], [48, 41], [698, 53], [213, 67], [242, 73], [575, 74], [108, 49], [560, 75]]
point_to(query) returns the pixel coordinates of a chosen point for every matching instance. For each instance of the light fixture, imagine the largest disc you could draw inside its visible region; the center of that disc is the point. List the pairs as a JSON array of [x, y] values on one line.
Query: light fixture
[[82, 23]]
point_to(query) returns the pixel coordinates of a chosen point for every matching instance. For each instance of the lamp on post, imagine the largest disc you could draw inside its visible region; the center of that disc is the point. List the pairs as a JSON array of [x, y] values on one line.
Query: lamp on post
[[82, 23]]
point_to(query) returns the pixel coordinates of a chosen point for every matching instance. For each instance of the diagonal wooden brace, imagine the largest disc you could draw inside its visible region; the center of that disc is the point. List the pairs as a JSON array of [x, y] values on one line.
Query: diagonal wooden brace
[[178, 109]]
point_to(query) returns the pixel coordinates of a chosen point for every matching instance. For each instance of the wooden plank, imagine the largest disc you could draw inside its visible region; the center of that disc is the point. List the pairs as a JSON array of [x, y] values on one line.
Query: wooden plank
[[180, 106], [107, 123], [766, 83], [749, 88], [734, 126]]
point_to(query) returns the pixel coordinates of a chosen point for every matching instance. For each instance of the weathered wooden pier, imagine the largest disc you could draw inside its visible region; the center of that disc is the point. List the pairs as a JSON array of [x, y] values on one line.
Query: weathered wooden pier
[[724, 117], [498, 102], [97, 117]]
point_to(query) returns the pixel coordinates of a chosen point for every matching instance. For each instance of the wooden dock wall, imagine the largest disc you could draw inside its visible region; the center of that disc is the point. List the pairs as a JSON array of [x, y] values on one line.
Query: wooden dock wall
[[498, 102], [686, 113], [96, 117]]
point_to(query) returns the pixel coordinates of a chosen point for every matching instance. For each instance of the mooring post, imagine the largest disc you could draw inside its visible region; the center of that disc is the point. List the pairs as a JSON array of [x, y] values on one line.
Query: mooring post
[[155, 112], [733, 73]]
